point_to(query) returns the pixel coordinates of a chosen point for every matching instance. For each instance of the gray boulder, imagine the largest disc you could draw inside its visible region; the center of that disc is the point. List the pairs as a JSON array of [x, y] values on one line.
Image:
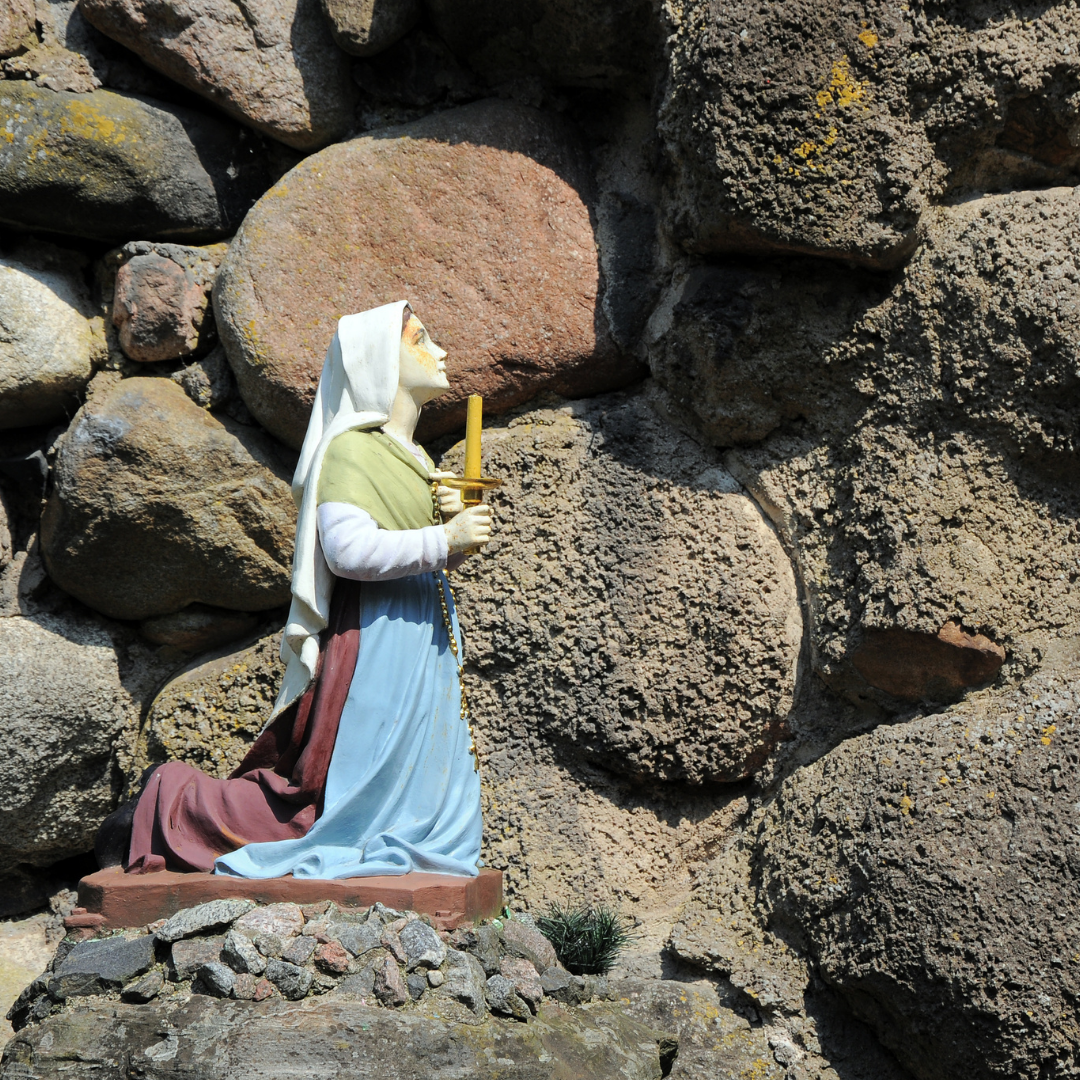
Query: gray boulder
[[293, 981], [366, 27], [272, 65], [208, 916], [502, 998], [189, 954], [465, 980], [832, 130], [95, 966], [929, 870], [217, 979], [241, 955], [157, 504], [106, 165], [49, 347], [211, 1039], [671, 650], [71, 692], [423, 947]]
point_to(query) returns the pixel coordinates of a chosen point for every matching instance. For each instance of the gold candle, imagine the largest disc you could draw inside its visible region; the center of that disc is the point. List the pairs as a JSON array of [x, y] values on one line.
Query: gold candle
[[472, 437]]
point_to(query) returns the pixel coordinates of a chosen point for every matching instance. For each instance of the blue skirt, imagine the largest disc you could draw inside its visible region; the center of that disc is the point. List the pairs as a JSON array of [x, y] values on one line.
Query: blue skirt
[[402, 790]]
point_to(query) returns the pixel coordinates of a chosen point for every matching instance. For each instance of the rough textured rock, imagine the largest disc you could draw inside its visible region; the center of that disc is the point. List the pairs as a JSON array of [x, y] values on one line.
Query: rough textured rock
[[422, 945], [202, 917], [70, 699], [161, 303], [217, 979], [106, 165], [189, 954], [157, 504], [210, 713], [446, 205], [529, 943], [49, 347], [272, 64], [241, 955], [16, 25], [93, 966], [610, 44], [465, 980], [208, 381], [916, 462], [66, 53], [929, 869], [832, 129], [283, 920], [219, 1039], [634, 603], [366, 27]]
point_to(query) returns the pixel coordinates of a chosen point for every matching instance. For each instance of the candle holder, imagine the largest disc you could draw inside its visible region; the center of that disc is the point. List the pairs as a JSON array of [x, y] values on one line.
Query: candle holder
[[472, 488]]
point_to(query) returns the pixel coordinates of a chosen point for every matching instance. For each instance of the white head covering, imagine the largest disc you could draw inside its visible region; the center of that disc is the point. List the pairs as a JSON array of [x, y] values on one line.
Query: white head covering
[[356, 390]]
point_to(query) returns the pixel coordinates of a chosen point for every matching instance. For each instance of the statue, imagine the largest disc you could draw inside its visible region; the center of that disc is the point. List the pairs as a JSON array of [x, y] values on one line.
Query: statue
[[366, 765]]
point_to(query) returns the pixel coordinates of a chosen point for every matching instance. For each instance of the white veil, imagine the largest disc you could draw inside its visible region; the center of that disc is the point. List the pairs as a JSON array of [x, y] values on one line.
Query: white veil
[[356, 390]]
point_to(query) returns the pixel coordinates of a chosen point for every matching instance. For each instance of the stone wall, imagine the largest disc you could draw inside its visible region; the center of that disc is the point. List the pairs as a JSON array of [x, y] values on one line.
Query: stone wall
[[775, 313]]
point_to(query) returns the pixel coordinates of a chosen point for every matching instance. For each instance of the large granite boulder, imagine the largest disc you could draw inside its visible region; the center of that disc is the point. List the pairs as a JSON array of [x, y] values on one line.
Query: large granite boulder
[[636, 603], [908, 439], [210, 713], [610, 44], [106, 165], [435, 212], [271, 64], [205, 1038], [929, 869], [71, 692], [831, 130], [157, 504], [48, 347]]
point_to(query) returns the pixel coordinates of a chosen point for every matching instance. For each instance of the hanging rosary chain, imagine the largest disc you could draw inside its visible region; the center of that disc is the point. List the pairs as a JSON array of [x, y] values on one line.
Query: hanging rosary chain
[[442, 581]]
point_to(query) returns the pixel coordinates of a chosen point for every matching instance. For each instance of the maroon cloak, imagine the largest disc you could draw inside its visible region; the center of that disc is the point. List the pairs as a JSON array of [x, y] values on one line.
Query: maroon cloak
[[276, 792]]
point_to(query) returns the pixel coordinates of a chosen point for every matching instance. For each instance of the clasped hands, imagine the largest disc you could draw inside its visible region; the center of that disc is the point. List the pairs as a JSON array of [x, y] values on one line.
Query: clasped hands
[[465, 528]]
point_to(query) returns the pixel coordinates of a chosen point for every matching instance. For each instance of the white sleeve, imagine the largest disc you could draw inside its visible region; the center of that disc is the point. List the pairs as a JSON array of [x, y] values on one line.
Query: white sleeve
[[355, 547]]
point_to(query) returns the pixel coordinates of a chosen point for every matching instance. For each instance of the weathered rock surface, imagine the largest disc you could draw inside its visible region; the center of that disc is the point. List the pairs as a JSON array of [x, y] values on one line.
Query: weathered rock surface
[[272, 64], [48, 347], [106, 165], [634, 604], [434, 211], [366, 27], [212, 1038], [16, 25], [161, 302], [206, 916], [832, 129], [615, 43], [929, 868], [66, 713], [157, 504], [917, 460], [209, 714], [96, 966]]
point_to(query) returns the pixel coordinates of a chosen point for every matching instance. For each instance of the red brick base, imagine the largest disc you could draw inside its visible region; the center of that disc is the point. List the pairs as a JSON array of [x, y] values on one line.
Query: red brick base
[[136, 899]]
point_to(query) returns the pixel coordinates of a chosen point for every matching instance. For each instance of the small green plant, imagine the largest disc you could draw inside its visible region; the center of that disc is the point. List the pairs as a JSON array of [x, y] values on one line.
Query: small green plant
[[587, 938]]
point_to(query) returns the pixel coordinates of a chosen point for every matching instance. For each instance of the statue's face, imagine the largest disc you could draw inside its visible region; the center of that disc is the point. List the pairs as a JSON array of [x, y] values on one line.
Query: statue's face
[[421, 362]]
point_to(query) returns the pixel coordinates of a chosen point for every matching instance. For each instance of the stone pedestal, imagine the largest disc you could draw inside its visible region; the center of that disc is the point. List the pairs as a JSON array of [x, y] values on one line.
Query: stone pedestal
[[111, 898]]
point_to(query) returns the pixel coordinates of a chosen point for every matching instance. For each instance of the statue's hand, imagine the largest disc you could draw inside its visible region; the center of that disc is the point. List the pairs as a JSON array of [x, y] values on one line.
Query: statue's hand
[[449, 500], [469, 529]]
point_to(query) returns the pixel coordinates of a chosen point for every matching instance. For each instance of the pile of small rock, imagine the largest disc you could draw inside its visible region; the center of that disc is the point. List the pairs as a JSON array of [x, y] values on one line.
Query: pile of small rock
[[238, 949]]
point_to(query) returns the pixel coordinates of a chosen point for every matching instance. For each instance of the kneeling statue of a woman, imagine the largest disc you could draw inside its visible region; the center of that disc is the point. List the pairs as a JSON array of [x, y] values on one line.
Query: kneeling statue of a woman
[[366, 766]]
